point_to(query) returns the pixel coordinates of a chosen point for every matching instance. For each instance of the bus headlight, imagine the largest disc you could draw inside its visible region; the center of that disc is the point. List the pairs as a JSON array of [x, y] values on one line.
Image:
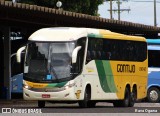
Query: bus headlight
[[69, 86], [26, 86]]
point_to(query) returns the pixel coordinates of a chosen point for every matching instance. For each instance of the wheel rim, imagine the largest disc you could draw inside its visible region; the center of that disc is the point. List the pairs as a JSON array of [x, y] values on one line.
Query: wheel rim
[[153, 95]]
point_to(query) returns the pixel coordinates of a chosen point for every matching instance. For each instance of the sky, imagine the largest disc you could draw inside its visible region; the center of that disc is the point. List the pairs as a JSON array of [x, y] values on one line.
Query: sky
[[140, 12]]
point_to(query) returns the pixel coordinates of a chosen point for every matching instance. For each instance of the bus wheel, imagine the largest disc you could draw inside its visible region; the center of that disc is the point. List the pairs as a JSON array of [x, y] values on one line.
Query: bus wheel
[[133, 97], [124, 102], [41, 104], [153, 94], [84, 102]]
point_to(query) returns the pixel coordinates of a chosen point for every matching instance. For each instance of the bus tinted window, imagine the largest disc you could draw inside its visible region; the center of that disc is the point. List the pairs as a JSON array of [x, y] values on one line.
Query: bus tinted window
[[153, 56], [111, 49]]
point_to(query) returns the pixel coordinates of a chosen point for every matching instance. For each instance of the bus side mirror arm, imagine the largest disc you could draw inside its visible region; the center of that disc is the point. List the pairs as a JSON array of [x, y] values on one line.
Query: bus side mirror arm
[[18, 55], [74, 54]]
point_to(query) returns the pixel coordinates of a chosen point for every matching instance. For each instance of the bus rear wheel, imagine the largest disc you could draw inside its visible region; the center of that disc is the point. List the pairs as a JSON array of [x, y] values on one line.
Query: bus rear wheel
[[125, 101], [133, 97], [41, 104], [153, 95]]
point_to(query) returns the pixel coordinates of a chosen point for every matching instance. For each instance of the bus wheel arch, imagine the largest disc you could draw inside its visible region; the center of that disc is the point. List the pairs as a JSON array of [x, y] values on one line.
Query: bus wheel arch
[[86, 102], [125, 101], [153, 94]]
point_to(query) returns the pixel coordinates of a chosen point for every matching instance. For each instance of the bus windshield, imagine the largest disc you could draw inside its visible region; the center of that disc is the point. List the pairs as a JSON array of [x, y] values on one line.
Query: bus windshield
[[48, 61]]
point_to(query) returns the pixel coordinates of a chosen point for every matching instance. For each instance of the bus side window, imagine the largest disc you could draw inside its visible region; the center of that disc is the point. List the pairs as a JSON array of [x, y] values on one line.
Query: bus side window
[[80, 56], [99, 56], [108, 54], [88, 59], [93, 55], [104, 55]]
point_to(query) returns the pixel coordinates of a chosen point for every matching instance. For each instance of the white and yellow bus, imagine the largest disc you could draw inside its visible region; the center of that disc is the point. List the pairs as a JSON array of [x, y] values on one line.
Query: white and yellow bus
[[84, 65]]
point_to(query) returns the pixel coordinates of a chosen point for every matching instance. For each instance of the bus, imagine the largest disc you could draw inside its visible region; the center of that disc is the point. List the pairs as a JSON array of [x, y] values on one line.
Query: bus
[[153, 89], [16, 75], [84, 66]]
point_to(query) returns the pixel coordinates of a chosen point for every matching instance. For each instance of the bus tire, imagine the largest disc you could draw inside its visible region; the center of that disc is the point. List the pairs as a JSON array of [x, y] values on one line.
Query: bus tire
[[153, 95], [84, 102], [41, 104], [125, 101], [133, 97]]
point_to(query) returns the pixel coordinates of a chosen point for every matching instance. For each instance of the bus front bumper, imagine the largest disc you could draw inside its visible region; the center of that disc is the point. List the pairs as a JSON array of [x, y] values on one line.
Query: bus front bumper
[[64, 95]]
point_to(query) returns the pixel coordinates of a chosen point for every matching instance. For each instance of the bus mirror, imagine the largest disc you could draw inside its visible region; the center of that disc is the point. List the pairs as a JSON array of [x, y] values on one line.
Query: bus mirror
[[19, 53], [74, 54]]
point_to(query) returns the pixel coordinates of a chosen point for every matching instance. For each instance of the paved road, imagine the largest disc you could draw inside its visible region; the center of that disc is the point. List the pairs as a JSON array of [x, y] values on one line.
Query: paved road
[[21, 106]]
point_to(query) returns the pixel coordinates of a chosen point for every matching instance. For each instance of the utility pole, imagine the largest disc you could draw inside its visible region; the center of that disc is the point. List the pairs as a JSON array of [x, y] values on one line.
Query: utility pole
[[155, 17], [111, 9], [155, 13], [119, 10], [118, 2]]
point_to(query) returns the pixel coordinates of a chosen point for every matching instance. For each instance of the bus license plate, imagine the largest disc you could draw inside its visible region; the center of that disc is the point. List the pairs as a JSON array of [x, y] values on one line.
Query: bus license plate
[[46, 96]]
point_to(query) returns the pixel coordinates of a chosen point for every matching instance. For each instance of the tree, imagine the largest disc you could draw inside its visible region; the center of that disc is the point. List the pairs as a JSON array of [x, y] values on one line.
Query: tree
[[81, 6]]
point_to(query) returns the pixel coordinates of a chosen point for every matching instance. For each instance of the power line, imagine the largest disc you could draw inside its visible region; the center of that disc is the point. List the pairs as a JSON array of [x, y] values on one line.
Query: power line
[[144, 1], [119, 10], [155, 11]]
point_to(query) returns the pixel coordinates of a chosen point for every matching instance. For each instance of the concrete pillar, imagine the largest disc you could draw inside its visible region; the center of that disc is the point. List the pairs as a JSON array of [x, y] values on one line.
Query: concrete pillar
[[7, 62], [1, 64]]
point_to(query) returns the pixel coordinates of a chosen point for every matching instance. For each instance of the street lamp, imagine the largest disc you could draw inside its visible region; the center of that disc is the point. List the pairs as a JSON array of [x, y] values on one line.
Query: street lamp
[[59, 4], [14, 1]]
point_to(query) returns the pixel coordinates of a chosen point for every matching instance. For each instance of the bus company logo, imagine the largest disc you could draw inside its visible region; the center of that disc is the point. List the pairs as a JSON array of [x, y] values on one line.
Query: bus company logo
[[6, 110], [126, 68]]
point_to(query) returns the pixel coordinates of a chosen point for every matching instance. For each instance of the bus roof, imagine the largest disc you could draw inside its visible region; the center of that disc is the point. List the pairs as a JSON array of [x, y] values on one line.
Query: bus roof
[[72, 33], [58, 34], [153, 41]]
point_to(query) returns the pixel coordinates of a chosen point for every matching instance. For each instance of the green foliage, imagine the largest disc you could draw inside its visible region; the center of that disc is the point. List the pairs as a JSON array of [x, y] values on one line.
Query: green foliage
[[80, 6]]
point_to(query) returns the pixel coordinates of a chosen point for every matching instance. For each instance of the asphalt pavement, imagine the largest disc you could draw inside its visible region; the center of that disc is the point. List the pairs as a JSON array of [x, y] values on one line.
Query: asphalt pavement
[[23, 106]]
